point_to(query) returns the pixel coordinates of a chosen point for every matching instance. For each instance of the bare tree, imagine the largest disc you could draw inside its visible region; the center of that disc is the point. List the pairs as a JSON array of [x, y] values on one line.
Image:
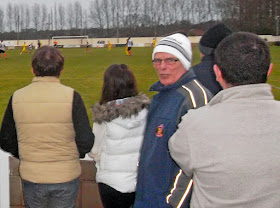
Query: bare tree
[[200, 11], [85, 20], [51, 20], [61, 16], [185, 8], [22, 16], [117, 13], [170, 12], [123, 11], [228, 9], [114, 11], [115, 5], [36, 14], [210, 5], [27, 17], [136, 13], [157, 13], [163, 9], [2, 26], [216, 14], [9, 15], [55, 16], [133, 10], [16, 17], [147, 17], [44, 19], [129, 9], [77, 14], [95, 14], [69, 12], [251, 15], [105, 7]]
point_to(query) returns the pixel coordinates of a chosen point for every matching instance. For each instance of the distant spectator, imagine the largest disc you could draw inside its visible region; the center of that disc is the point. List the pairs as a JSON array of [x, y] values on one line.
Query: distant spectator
[[39, 43], [204, 70]]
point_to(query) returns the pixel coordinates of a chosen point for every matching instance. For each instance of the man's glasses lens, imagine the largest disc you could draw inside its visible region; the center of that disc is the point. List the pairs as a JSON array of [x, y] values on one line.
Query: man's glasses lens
[[168, 61]]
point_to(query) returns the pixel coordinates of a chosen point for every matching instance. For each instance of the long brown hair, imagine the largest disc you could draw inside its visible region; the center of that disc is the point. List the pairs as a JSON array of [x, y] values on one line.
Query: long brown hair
[[119, 82]]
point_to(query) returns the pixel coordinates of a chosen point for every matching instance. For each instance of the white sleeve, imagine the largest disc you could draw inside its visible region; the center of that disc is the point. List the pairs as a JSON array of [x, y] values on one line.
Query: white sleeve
[[99, 131]]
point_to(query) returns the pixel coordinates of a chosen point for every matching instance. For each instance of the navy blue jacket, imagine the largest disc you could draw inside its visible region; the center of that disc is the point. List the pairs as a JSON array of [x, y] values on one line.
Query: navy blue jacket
[[157, 170], [205, 74]]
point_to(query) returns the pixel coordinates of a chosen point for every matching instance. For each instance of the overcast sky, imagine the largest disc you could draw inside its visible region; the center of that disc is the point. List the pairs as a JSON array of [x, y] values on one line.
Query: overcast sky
[[84, 3]]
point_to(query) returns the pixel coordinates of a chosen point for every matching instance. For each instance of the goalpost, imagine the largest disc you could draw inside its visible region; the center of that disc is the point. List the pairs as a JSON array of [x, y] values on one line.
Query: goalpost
[[70, 41]]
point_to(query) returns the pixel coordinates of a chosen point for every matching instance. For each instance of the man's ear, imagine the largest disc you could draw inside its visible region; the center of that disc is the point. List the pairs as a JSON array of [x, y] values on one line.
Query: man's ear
[[270, 69], [219, 77], [218, 73], [32, 71]]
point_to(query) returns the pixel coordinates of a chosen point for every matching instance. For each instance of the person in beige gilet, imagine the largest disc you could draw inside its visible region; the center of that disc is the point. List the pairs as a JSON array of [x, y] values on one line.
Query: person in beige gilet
[[46, 126]]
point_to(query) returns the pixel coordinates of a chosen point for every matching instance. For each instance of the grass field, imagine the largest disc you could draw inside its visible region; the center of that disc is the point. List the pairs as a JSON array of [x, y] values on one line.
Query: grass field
[[84, 71]]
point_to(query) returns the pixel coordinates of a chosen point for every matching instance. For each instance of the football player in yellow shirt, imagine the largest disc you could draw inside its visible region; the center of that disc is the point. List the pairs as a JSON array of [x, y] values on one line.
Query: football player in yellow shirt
[[154, 42], [109, 46], [23, 48]]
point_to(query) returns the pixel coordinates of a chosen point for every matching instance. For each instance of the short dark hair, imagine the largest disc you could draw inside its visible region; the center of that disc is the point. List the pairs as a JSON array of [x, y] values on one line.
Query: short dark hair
[[243, 58], [119, 82], [47, 61]]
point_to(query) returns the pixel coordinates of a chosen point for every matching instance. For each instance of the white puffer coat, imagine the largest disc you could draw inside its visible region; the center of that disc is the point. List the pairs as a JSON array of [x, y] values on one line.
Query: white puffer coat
[[118, 128]]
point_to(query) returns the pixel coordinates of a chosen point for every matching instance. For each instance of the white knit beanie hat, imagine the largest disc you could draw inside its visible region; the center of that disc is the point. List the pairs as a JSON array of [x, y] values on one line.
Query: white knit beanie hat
[[177, 45]]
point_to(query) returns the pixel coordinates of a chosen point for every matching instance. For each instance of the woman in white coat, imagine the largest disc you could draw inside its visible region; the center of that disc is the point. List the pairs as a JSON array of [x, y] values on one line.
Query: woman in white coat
[[119, 122]]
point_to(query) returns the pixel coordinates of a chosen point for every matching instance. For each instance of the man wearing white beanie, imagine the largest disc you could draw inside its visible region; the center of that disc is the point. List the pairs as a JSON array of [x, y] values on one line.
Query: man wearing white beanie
[[160, 179]]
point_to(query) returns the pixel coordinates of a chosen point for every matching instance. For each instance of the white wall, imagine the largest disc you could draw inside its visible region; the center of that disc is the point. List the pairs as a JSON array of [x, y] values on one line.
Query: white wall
[[4, 180], [137, 41]]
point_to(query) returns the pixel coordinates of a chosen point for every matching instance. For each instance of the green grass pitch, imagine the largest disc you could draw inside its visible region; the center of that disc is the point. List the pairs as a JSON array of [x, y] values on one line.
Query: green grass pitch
[[84, 71]]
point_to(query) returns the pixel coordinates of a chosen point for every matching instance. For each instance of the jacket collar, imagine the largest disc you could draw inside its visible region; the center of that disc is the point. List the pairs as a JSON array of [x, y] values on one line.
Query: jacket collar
[[46, 79], [248, 92], [124, 108], [185, 78], [210, 57]]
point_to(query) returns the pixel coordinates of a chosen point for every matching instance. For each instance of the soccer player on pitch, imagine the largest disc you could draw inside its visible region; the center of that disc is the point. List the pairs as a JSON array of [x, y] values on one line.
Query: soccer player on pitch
[[109, 46], [2, 49], [88, 49], [23, 48]]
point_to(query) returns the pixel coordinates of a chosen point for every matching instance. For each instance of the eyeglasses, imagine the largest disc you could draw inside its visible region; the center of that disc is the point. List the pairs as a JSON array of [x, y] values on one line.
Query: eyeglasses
[[168, 61]]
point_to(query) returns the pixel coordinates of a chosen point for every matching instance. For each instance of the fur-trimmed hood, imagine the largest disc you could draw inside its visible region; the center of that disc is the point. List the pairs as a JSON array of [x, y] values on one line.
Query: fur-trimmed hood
[[124, 108]]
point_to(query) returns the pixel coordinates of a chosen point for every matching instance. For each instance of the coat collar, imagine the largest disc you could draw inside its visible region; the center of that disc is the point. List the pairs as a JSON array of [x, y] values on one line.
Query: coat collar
[[249, 92], [188, 76], [210, 57], [46, 79], [124, 108]]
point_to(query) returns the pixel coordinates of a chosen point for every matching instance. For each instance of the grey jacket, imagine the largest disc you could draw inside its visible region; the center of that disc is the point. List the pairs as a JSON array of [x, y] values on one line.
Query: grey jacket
[[232, 149]]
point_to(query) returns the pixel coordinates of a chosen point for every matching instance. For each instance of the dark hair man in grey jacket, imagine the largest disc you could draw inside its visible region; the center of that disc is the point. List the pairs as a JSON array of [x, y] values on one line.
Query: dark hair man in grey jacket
[[231, 146]]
